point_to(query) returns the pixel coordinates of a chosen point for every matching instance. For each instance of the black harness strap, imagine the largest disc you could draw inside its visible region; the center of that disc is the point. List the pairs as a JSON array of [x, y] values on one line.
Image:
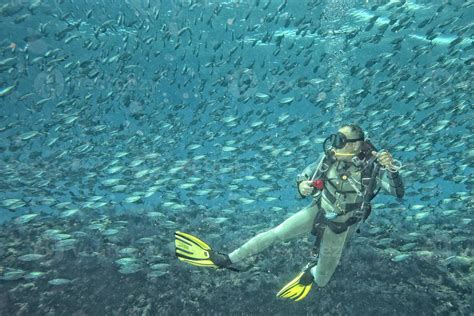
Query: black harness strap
[[321, 222]]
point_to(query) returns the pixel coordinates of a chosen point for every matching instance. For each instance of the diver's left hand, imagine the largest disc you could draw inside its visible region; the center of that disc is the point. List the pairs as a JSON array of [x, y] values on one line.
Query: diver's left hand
[[384, 158]]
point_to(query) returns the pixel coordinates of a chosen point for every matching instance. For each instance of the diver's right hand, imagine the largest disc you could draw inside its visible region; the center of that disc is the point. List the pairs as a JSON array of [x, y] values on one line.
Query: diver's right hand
[[306, 187]]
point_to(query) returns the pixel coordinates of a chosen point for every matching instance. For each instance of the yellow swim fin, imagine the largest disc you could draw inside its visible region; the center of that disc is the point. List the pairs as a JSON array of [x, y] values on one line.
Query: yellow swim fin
[[194, 251], [299, 287]]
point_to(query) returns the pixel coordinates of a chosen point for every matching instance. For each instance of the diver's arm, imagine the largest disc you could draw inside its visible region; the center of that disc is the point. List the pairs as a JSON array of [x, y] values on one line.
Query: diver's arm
[[391, 182], [305, 175]]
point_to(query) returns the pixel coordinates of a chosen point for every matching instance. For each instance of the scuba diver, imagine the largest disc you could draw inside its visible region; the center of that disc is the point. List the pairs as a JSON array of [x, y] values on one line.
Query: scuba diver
[[349, 173]]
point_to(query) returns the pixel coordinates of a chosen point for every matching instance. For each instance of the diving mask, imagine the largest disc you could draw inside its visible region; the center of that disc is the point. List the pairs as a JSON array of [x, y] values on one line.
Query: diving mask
[[338, 141]]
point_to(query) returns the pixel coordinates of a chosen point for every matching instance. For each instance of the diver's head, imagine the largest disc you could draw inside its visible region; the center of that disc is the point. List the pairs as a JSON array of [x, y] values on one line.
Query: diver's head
[[351, 137]]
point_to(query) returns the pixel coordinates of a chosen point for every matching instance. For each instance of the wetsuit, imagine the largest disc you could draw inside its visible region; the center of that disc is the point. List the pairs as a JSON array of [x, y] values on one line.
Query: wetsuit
[[342, 194]]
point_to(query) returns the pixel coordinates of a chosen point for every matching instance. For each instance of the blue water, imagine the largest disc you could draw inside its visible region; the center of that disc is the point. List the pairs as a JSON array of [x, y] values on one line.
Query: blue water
[[154, 78]]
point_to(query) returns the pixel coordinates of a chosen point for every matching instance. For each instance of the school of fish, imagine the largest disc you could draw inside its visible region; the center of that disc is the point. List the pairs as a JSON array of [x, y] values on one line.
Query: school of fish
[[123, 121]]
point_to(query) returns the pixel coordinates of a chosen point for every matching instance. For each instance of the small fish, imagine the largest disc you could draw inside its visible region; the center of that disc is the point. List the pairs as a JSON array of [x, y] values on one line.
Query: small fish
[[136, 162], [9, 202], [228, 148], [128, 251], [119, 188], [161, 266], [187, 185], [6, 61], [133, 199], [28, 135], [246, 200], [422, 215], [72, 37], [69, 213], [286, 100], [57, 282], [130, 268], [31, 257], [157, 273], [316, 81], [24, 219], [110, 232], [193, 146], [6, 91], [218, 220], [71, 119], [144, 240], [13, 275], [65, 244], [142, 173], [111, 182], [262, 96], [400, 257], [126, 261], [34, 275]]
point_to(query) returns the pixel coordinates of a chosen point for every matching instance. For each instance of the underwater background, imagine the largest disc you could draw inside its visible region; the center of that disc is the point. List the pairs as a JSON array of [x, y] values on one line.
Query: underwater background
[[124, 121]]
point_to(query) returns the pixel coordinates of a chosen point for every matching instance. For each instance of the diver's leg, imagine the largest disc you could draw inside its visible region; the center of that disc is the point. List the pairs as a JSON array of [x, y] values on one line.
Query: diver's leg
[[296, 225], [329, 254]]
